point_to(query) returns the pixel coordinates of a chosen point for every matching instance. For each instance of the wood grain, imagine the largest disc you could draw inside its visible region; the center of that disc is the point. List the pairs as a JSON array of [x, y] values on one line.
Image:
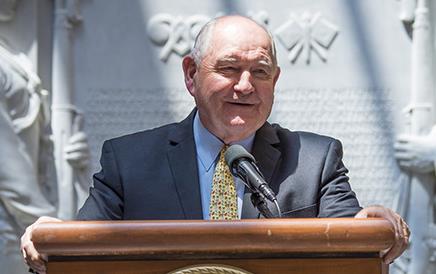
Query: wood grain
[[304, 246], [213, 237]]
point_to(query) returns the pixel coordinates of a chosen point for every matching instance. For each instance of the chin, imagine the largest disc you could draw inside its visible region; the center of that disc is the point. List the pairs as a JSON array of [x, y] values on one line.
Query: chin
[[238, 121], [239, 130]]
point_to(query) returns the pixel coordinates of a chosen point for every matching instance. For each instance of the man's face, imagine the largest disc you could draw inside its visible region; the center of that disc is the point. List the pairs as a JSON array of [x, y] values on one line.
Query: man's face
[[233, 86]]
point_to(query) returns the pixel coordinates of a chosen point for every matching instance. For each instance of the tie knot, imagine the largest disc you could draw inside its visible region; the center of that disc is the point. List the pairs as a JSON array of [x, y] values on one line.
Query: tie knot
[[224, 148], [223, 152]]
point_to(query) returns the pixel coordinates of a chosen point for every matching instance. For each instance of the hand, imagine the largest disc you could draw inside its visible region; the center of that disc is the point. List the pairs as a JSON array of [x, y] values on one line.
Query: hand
[[31, 256], [77, 150], [416, 153], [402, 232]]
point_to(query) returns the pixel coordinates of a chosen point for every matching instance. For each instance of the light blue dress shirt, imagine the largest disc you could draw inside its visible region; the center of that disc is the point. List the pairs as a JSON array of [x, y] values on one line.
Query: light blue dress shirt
[[208, 148]]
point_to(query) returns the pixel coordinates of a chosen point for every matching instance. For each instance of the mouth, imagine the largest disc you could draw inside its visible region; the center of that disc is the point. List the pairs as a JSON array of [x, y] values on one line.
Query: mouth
[[242, 104]]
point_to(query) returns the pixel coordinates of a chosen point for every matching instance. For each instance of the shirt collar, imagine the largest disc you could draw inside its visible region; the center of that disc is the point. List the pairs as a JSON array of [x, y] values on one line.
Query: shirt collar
[[208, 145]]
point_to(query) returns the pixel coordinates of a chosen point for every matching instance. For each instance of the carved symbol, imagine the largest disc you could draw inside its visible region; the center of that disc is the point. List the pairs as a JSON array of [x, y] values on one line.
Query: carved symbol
[[261, 17], [175, 33], [305, 34]]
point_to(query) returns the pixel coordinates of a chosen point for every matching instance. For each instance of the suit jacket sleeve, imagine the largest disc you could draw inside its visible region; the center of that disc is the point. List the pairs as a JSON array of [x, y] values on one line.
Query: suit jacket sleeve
[[105, 200], [336, 197]]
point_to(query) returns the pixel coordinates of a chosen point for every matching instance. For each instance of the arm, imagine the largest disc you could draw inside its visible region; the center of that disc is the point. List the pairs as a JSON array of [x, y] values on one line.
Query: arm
[[336, 197], [105, 200], [337, 200]]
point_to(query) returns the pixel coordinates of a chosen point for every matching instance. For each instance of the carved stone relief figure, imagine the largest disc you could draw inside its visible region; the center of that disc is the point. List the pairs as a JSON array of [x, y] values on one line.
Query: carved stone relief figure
[[7, 10], [416, 150], [26, 185], [27, 175]]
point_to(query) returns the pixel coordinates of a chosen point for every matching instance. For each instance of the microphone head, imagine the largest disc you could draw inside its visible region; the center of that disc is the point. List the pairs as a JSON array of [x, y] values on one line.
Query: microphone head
[[236, 152]]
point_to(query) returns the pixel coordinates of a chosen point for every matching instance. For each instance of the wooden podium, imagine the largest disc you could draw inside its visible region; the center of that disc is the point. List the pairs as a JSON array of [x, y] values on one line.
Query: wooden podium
[[304, 246]]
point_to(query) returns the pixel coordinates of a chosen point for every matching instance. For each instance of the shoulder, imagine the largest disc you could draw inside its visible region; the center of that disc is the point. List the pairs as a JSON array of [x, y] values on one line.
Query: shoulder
[[304, 143], [152, 137], [303, 137]]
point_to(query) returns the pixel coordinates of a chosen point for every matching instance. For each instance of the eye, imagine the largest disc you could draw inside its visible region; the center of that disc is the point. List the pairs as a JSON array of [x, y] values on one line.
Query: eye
[[229, 69], [261, 73]]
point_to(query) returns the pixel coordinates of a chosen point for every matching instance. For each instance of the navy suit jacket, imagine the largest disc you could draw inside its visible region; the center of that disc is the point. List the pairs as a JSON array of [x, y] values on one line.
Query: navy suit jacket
[[152, 175]]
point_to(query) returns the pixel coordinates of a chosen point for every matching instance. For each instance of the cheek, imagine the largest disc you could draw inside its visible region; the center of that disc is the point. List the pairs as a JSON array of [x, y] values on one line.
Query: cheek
[[218, 83], [266, 95]]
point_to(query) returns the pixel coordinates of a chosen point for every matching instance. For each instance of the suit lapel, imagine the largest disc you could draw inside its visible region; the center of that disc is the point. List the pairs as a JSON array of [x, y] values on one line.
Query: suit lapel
[[267, 157], [183, 164]]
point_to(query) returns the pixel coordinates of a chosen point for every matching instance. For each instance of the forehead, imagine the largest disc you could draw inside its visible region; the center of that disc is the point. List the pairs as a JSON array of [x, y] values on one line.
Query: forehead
[[233, 55], [244, 40]]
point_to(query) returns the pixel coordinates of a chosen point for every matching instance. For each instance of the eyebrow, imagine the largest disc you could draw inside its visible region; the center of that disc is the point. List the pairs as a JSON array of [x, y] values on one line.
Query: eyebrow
[[231, 59], [227, 59]]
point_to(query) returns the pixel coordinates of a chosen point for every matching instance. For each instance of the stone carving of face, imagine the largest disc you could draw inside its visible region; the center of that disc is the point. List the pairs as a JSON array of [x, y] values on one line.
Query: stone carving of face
[[7, 10]]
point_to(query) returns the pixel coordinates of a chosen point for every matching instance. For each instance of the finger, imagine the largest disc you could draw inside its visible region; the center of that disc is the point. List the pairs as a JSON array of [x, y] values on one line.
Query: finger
[[44, 257], [37, 265], [78, 137], [404, 138], [79, 146], [402, 155], [77, 156], [32, 255], [395, 220], [78, 122], [405, 163], [79, 164], [46, 219], [401, 239], [406, 227], [361, 214], [39, 269], [26, 237], [400, 230], [400, 236], [401, 146], [395, 251]]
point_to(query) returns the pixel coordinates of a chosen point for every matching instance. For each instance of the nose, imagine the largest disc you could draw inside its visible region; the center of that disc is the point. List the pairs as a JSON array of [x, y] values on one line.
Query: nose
[[244, 84]]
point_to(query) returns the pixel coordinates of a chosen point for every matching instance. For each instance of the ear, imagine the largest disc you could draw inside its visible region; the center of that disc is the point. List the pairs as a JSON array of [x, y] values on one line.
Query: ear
[[189, 70], [276, 77]]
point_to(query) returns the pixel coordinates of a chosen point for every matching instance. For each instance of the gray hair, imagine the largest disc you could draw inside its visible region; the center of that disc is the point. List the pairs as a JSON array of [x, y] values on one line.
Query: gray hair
[[202, 41]]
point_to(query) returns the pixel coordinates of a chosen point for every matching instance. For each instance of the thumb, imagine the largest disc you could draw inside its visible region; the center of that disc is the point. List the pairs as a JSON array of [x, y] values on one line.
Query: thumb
[[361, 214], [78, 122]]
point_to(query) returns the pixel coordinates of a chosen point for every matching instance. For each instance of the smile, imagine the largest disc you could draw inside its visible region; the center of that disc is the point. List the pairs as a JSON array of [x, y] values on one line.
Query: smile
[[241, 104]]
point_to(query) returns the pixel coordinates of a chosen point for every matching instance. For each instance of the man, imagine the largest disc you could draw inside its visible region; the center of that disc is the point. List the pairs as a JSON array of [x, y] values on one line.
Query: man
[[168, 172]]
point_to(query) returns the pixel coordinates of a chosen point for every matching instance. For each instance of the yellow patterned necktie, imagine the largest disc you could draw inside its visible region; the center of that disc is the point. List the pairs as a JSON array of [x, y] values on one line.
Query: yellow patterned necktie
[[223, 198]]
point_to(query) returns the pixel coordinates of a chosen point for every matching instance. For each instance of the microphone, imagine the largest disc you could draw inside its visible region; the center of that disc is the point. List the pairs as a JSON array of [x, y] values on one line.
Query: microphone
[[242, 164]]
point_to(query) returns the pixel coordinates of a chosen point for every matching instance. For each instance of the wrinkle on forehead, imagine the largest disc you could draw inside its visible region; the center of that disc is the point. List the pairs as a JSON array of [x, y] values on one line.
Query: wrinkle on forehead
[[259, 54]]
